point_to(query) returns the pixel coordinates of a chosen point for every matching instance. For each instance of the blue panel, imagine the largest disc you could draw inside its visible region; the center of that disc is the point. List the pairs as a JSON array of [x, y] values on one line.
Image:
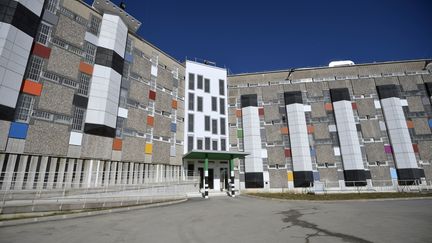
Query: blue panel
[[430, 123], [316, 175], [393, 173], [173, 127], [18, 130], [312, 152], [128, 57]]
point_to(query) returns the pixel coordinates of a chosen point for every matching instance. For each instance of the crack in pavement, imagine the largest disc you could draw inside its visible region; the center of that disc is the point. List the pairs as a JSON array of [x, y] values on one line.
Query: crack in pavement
[[293, 217]]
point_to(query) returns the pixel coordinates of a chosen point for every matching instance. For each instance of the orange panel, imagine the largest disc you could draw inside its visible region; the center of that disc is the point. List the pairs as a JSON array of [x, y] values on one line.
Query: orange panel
[[238, 113], [174, 104], [410, 124], [33, 88], [310, 129], [86, 68], [284, 130], [117, 144], [328, 106], [150, 120], [354, 106]]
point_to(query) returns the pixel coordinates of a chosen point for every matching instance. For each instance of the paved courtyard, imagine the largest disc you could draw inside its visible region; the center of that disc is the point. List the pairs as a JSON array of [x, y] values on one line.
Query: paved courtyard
[[242, 219]]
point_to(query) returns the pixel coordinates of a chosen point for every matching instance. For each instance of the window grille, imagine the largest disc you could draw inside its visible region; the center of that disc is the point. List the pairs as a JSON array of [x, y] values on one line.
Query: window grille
[[43, 34], [52, 6], [94, 25], [78, 118], [84, 84], [24, 107], [90, 52], [35, 68]]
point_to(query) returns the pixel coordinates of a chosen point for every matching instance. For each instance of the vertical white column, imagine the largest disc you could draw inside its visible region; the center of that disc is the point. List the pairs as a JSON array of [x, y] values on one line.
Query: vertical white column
[[146, 173], [107, 173], [96, 171], [99, 172], [113, 173], [60, 173], [299, 138], [119, 173], [69, 172], [19, 181], [131, 173], [156, 179], [77, 180], [88, 166], [52, 173], [10, 167], [136, 173], [140, 173], [399, 135], [348, 138], [125, 173], [32, 172], [252, 139], [42, 171]]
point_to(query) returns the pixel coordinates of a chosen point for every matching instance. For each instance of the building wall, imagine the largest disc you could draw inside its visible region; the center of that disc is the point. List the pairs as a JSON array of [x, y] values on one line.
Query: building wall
[[94, 91], [375, 148]]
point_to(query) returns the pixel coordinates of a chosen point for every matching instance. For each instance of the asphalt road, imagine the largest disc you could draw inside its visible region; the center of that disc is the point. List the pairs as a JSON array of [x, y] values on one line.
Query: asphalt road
[[241, 219]]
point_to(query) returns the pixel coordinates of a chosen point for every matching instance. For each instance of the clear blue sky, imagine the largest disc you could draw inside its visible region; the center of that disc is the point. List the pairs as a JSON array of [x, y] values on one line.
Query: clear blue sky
[[251, 36]]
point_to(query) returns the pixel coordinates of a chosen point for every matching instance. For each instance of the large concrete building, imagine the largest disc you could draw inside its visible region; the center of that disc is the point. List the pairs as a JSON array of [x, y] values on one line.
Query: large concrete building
[[86, 102]]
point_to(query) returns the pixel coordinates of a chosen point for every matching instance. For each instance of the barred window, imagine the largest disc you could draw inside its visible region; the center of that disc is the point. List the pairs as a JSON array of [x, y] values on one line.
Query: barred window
[[94, 25], [43, 34], [34, 68], [84, 84], [24, 107], [90, 52], [78, 119], [52, 6]]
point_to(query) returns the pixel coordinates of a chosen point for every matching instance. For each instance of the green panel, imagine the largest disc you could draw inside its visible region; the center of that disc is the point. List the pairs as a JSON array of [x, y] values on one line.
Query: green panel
[[240, 133]]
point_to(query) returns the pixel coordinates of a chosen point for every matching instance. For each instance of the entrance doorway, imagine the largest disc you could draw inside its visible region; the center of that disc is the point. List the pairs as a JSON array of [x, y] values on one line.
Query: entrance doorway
[[210, 178], [224, 179]]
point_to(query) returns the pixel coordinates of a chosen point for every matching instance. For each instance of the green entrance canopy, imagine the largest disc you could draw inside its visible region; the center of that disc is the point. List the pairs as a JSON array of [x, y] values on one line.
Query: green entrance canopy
[[214, 155]]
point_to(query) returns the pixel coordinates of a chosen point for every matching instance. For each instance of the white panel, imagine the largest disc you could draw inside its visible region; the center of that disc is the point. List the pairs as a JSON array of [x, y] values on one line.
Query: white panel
[[264, 153], [336, 151], [154, 70], [399, 134], [113, 34], [103, 96], [252, 139], [299, 138], [75, 138], [34, 5], [307, 108], [332, 128], [91, 38], [347, 132], [122, 112], [377, 104], [403, 102], [15, 47]]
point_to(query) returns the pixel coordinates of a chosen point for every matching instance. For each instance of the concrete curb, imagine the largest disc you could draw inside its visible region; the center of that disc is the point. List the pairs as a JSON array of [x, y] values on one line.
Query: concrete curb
[[333, 201], [15, 222]]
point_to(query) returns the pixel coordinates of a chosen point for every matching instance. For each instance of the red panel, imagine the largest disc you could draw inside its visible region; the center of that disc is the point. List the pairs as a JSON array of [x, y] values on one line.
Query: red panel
[[150, 120], [261, 111], [354, 106], [41, 50], [415, 147], [152, 95], [287, 153], [86, 68]]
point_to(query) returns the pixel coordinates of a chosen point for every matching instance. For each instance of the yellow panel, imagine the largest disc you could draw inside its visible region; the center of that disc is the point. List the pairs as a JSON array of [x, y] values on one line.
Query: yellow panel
[[148, 148], [290, 176]]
